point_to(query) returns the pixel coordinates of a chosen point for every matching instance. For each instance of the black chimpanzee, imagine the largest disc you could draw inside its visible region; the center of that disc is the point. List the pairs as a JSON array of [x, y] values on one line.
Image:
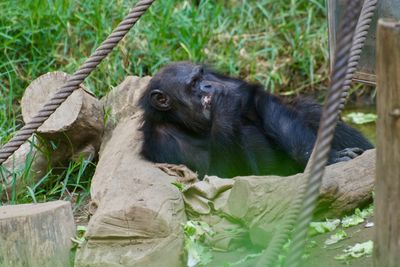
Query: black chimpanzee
[[218, 125]]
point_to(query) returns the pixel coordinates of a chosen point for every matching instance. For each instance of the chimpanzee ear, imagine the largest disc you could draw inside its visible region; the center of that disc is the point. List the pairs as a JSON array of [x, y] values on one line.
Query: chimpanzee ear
[[160, 100]]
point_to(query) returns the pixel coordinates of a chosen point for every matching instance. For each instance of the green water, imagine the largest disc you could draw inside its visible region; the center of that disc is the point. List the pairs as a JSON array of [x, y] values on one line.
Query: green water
[[367, 129]]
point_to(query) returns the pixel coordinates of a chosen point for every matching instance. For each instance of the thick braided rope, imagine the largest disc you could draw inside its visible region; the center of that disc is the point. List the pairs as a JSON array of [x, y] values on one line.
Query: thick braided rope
[[270, 255], [329, 118], [364, 22], [75, 80]]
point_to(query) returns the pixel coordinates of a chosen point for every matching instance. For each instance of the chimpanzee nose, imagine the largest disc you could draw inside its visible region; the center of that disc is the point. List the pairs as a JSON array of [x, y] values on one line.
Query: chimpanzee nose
[[206, 87]]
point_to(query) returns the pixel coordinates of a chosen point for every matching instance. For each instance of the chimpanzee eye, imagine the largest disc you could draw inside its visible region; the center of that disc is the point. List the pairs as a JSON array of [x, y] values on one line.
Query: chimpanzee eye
[[193, 83]]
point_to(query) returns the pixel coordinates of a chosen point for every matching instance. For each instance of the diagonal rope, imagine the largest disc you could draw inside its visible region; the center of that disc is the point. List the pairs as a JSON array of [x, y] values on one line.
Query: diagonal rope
[[75, 80]]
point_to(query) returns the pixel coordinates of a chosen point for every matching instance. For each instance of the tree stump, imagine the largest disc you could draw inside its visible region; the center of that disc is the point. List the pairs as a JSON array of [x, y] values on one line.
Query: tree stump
[[137, 212], [36, 235]]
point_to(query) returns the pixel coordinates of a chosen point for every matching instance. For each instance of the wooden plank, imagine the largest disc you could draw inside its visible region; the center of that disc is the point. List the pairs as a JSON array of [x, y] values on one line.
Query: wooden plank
[[36, 235], [387, 201]]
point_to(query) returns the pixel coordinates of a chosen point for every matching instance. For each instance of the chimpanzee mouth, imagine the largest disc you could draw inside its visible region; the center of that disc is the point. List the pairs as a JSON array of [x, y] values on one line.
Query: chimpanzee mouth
[[206, 101]]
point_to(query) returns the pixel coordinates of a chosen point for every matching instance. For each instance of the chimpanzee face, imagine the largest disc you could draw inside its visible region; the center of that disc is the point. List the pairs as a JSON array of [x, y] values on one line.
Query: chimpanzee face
[[184, 90]]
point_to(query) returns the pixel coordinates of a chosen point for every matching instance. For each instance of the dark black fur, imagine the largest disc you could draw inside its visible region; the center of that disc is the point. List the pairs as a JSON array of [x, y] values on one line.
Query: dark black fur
[[244, 130]]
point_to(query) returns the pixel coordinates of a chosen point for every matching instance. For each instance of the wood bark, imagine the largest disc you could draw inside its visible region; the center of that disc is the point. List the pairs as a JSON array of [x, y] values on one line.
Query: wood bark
[[137, 212], [387, 238], [36, 235]]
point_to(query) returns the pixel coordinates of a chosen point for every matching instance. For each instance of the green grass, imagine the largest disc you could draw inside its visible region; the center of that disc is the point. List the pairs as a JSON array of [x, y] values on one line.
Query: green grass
[[281, 44]]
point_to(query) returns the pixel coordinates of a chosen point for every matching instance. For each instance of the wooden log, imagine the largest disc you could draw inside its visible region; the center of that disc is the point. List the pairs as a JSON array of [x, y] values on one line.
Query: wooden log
[[263, 201], [28, 162], [387, 201], [260, 202], [74, 130], [121, 102], [36, 235], [137, 212]]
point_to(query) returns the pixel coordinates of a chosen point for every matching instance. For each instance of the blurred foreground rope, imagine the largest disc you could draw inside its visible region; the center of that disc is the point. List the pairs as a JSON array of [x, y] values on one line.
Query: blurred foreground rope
[[350, 40], [75, 80]]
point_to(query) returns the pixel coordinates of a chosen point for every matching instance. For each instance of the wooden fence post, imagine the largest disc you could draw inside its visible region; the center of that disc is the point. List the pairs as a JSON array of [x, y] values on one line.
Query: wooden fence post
[[387, 201]]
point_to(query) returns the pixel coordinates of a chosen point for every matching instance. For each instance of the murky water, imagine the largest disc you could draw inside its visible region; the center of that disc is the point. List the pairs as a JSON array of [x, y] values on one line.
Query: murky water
[[368, 129]]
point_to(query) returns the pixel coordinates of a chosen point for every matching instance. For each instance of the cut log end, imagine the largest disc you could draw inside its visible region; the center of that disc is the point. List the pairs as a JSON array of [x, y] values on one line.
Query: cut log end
[[40, 91], [36, 234]]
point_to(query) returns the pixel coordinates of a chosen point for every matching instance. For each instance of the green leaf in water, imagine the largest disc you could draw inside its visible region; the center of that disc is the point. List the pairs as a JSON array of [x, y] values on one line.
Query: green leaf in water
[[197, 253], [358, 217], [323, 227], [333, 239], [357, 251], [360, 118], [196, 234]]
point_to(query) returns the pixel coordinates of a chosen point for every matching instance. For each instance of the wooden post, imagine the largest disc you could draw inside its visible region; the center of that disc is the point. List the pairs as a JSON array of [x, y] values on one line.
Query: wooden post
[[387, 201]]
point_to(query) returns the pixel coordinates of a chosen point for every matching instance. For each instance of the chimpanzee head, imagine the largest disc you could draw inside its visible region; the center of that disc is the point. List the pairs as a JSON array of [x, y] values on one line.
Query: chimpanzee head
[[181, 93]]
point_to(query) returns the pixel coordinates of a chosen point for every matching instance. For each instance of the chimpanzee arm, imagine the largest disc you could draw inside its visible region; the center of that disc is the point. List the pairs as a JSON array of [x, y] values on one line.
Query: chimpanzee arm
[[285, 127], [168, 144], [225, 116], [226, 158]]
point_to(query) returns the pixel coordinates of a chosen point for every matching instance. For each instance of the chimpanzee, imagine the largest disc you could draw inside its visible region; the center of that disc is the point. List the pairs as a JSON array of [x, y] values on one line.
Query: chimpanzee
[[218, 125]]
